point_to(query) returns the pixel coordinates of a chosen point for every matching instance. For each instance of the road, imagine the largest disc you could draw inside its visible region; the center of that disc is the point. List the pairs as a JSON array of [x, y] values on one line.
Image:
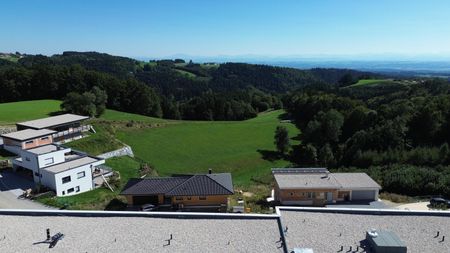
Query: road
[[12, 186]]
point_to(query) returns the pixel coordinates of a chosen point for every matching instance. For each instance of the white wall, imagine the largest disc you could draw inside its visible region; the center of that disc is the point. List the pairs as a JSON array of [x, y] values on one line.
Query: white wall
[[84, 183], [58, 157]]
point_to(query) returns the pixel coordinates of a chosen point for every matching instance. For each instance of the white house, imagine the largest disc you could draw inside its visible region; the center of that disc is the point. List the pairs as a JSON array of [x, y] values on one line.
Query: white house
[[59, 168]]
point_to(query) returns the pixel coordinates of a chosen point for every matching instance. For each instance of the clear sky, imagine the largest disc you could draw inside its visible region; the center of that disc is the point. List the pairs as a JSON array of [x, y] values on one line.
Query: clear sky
[[227, 27]]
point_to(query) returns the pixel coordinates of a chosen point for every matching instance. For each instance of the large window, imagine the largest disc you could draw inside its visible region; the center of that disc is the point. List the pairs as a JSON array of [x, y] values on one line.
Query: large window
[[81, 174], [66, 179]]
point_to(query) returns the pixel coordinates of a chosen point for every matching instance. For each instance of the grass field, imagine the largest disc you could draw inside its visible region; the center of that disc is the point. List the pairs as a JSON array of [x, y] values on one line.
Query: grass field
[[10, 113], [193, 147], [244, 148], [364, 82]]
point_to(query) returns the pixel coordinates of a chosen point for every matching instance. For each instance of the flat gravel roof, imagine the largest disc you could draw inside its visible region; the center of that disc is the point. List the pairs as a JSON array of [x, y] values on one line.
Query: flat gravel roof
[[327, 231], [60, 167], [138, 234], [28, 134], [45, 149], [53, 121]]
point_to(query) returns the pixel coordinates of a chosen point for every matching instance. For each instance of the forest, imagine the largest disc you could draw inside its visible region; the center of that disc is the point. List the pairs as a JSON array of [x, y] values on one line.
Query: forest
[[398, 133], [172, 89]]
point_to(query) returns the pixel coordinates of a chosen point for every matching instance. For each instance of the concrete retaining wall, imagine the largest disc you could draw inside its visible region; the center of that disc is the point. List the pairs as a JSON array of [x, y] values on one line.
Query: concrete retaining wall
[[117, 153]]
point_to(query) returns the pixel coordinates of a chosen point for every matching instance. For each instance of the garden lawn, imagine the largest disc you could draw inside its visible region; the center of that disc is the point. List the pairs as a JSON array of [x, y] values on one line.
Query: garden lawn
[[193, 147]]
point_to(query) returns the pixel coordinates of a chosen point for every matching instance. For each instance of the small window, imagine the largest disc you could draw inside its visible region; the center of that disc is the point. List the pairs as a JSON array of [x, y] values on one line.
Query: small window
[[44, 138], [189, 198], [179, 198], [202, 198], [77, 189], [66, 179], [81, 174], [49, 161], [63, 193], [292, 194], [70, 190], [28, 142], [27, 159]]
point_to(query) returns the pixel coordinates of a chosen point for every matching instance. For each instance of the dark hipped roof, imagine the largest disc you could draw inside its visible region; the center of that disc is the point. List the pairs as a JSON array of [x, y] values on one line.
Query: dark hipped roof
[[194, 185]]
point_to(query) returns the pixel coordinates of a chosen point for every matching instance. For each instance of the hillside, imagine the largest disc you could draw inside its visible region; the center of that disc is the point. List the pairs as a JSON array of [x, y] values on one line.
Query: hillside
[[171, 89], [244, 148]]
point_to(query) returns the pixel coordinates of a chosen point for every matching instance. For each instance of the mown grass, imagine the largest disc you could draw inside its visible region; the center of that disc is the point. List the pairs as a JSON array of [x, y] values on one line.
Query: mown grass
[[100, 198], [363, 82], [193, 147], [11, 113]]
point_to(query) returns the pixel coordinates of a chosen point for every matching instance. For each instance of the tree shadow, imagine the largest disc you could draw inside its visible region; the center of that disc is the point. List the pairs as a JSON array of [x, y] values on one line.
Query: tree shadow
[[56, 113], [283, 116], [270, 155], [116, 205]]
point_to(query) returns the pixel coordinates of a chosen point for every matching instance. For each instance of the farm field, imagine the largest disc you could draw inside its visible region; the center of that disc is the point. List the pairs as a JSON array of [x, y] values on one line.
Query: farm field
[[193, 147]]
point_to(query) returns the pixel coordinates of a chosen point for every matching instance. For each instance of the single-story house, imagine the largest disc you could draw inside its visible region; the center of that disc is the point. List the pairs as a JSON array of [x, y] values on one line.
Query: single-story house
[[205, 190], [15, 142], [67, 126], [317, 186]]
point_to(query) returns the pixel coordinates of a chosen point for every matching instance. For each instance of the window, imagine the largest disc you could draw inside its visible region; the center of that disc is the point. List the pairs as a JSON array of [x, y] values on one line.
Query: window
[[189, 198], [27, 159], [292, 194], [202, 198], [37, 174], [81, 174], [66, 179], [48, 161], [63, 193], [28, 142], [77, 188], [44, 138], [311, 195], [179, 198], [70, 190]]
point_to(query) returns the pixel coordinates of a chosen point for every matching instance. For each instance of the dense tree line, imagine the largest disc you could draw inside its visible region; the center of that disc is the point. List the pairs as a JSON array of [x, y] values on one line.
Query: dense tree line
[[164, 88], [401, 126]]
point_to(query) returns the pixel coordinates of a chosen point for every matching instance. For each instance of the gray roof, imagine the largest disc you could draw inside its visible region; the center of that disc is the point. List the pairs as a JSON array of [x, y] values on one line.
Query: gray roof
[[45, 149], [306, 181], [355, 180], [53, 121], [326, 231], [28, 134], [139, 234], [60, 167], [193, 185], [299, 170]]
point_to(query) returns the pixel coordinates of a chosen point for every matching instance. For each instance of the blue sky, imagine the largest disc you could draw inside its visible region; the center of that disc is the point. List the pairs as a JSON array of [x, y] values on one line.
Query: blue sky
[[299, 28]]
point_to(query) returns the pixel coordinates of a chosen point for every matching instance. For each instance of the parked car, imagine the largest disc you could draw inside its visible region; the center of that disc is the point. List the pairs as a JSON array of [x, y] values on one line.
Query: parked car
[[148, 207], [439, 201]]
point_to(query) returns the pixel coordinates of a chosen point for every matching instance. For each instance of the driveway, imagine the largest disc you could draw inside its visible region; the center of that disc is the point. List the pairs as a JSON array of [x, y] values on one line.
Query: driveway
[[12, 186]]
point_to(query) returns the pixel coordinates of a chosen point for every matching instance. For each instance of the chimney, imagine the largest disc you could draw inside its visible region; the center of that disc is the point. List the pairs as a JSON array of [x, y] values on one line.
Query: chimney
[[209, 171]]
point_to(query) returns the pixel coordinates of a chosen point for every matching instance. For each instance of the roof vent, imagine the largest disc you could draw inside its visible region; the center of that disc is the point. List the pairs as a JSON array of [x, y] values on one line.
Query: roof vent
[[372, 233]]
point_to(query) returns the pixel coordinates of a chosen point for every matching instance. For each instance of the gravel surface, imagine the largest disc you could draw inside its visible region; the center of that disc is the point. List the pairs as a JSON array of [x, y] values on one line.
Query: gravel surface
[[320, 231], [139, 234]]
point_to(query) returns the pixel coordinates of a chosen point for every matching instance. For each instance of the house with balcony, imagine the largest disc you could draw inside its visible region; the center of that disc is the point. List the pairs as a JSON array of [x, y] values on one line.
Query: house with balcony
[[318, 187], [61, 169], [66, 126]]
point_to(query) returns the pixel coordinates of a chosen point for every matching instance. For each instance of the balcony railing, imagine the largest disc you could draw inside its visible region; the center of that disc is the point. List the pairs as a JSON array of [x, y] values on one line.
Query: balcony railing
[[72, 131]]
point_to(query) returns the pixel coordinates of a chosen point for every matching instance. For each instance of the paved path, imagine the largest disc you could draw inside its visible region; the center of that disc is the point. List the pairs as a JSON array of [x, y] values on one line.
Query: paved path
[[12, 186]]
